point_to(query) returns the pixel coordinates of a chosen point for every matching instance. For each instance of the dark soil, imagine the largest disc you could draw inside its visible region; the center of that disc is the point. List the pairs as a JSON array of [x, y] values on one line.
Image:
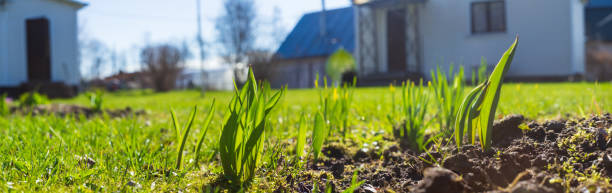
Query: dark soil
[[553, 156], [76, 110]]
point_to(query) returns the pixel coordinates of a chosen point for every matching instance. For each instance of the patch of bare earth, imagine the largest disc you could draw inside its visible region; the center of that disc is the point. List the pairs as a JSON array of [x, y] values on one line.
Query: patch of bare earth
[[551, 156], [76, 110]]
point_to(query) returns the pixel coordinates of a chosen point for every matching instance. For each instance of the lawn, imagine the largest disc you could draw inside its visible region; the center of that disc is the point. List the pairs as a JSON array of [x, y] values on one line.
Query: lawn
[[101, 153]]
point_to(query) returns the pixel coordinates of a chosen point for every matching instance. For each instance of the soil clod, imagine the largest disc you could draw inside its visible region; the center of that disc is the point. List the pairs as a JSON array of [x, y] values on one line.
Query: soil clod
[[440, 180], [506, 130]]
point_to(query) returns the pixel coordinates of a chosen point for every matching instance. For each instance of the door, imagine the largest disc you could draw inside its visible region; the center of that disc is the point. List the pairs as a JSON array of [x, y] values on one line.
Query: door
[[39, 50], [396, 40]]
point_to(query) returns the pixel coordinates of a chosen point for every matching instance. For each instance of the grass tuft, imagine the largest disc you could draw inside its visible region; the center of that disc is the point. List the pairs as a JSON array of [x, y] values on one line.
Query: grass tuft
[[241, 141]]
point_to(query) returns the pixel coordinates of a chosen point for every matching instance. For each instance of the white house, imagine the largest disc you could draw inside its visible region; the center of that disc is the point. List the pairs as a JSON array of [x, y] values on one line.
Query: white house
[[399, 37], [395, 40], [38, 42]]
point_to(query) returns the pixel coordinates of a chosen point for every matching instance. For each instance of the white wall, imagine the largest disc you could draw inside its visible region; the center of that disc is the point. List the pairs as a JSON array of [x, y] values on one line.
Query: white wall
[[4, 58], [381, 37], [551, 34], [63, 37], [578, 38]]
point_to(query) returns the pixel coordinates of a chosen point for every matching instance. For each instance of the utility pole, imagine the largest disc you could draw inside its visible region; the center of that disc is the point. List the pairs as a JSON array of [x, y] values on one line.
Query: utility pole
[[322, 21], [201, 45]]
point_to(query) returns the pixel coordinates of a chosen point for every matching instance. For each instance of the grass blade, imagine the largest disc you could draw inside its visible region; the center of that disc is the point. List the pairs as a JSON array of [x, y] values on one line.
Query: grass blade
[[187, 128], [177, 129], [211, 113], [301, 138], [319, 134]]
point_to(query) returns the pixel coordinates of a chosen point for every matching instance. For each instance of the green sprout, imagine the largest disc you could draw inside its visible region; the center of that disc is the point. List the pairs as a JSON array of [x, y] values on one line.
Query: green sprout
[[182, 134], [301, 138], [243, 134], [207, 121], [415, 99], [335, 104], [32, 99], [448, 97], [96, 99], [4, 108], [477, 112], [319, 134]]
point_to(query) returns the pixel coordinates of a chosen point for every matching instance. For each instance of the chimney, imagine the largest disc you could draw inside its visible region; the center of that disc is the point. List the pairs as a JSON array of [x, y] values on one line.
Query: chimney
[[323, 25]]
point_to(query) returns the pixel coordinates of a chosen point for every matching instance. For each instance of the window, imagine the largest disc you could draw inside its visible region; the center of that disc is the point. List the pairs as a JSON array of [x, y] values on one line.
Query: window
[[488, 16]]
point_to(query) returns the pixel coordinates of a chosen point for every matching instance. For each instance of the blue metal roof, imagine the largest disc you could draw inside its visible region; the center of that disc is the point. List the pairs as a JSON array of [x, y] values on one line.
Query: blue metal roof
[[599, 4], [598, 20], [305, 39]]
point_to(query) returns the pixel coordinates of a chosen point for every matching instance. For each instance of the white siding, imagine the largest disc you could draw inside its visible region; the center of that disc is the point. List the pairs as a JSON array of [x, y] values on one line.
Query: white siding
[[551, 36], [4, 58], [381, 37], [63, 38], [578, 38]]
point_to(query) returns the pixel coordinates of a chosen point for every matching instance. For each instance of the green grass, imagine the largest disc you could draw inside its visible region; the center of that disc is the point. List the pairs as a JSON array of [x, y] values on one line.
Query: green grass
[[50, 153]]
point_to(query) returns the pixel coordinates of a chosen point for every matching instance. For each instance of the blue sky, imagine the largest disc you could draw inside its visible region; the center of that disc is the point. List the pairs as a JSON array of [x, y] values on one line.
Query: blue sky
[[125, 25]]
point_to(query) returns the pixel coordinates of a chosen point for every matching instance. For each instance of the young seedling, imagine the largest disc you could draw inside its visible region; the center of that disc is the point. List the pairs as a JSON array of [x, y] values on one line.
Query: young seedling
[[301, 138], [181, 136], [415, 100], [207, 121], [4, 109], [96, 99], [448, 97], [335, 104], [319, 134], [243, 134], [32, 99], [482, 72], [354, 184], [477, 111]]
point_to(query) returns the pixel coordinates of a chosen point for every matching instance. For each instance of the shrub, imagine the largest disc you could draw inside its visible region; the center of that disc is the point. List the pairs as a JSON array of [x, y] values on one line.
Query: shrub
[[338, 63], [163, 65]]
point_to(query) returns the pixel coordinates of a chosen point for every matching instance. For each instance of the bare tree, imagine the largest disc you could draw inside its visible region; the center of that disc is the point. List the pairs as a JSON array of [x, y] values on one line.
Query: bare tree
[[164, 64], [264, 67], [236, 33], [278, 32], [97, 54], [92, 52], [114, 58]]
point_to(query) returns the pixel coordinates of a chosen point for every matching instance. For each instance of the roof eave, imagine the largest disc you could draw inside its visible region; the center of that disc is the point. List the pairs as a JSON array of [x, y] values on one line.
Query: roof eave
[[74, 3], [383, 3]]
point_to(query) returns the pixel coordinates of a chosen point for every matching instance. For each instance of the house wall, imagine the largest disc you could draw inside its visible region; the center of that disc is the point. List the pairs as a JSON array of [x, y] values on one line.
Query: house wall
[[298, 73], [365, 40], [381, 37], [551, 37], [63, 37], [4, 57]]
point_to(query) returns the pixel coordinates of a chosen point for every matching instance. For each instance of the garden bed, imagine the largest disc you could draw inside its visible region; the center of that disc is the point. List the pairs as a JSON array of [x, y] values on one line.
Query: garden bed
[[553, 156], [76, 110]]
